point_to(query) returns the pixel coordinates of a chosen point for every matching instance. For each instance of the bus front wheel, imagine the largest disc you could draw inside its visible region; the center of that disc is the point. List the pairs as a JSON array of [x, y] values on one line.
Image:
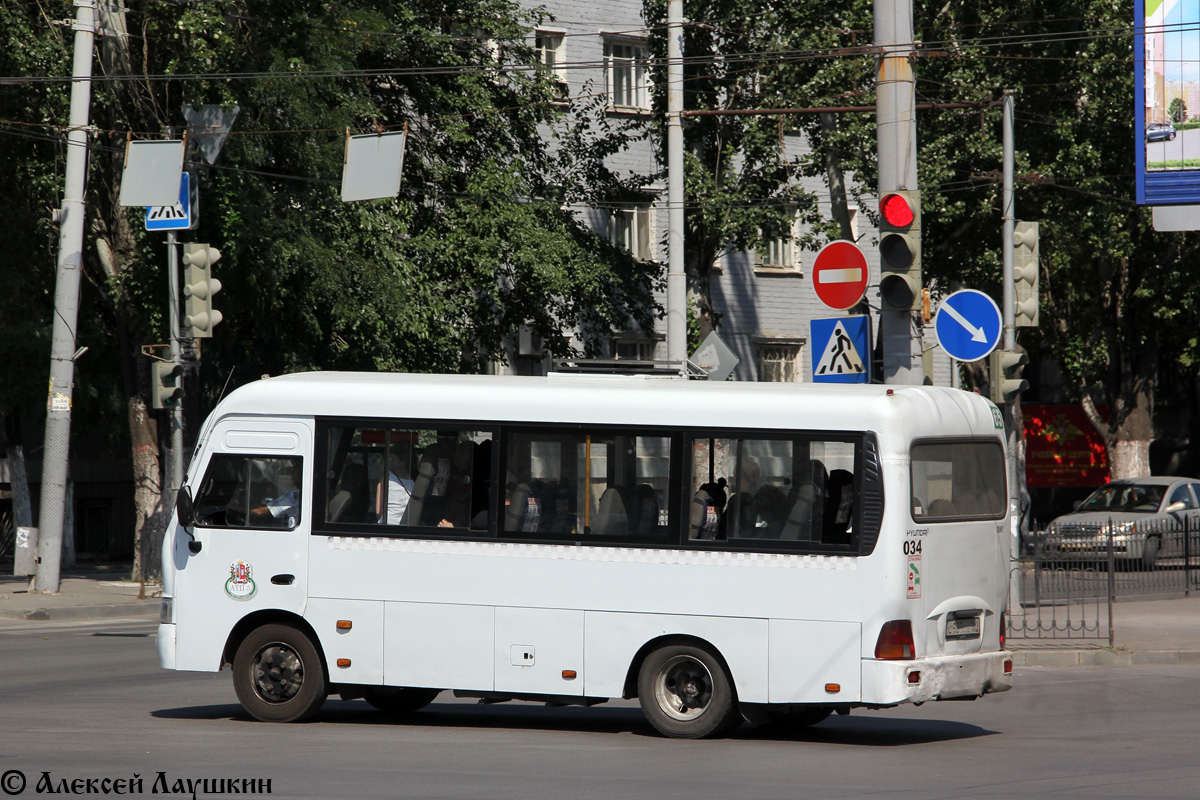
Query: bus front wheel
[[278, 674], [686, 693]]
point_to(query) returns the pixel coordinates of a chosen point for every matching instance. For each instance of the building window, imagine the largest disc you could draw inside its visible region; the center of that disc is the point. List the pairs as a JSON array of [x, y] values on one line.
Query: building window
[[629, 228], [626, 75], [779, 252], [778, 363], [552, 54], [633, 349]]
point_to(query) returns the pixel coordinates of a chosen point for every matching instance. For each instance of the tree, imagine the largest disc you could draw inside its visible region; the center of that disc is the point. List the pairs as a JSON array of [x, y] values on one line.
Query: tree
[[1177, 110], [477, 245], [741, 172], [1115, 294]]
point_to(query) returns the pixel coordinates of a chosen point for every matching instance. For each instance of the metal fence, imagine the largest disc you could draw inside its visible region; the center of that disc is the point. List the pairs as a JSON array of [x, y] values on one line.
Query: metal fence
[[1068, 577]]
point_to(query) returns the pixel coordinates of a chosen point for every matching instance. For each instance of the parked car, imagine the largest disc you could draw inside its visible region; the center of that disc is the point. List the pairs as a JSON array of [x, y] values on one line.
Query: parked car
[[1160, 132], [1147, 518]]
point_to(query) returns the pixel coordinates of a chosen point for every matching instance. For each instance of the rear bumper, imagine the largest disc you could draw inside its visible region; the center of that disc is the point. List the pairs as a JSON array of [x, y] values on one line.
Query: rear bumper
[[165, 643], [940, 678]]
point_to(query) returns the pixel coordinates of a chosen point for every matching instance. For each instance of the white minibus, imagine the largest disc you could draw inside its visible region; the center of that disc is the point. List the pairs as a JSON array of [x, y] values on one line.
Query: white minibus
[[777, 552]]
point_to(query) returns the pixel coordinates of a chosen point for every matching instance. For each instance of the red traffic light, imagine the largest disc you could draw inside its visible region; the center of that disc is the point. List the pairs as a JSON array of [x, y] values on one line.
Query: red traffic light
[[896, 210]]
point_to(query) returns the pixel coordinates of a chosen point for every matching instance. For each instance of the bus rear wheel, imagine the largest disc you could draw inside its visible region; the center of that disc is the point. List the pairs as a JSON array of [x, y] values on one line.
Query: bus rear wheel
[[278, 674], [686, 693], [397, 700]]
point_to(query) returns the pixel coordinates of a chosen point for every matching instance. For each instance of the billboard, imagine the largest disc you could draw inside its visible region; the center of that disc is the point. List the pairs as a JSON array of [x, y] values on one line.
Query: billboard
[[1167, 101], [1062, 448]]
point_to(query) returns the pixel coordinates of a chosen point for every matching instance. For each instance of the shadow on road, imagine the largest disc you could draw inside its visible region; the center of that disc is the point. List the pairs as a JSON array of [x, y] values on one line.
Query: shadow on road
[[858, 731]]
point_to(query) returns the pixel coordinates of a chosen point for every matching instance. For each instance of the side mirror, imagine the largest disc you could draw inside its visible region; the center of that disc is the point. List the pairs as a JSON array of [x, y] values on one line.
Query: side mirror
[[185, 512], [1178, 505]]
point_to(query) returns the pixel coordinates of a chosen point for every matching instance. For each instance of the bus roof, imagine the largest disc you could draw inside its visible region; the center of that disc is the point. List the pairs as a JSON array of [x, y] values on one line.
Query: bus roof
[[912, 411]]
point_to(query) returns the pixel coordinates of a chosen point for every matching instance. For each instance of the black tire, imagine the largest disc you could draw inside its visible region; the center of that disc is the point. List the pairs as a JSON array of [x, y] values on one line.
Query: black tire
[[278, 675], [1150, 552], [686, 693], [397, 700]]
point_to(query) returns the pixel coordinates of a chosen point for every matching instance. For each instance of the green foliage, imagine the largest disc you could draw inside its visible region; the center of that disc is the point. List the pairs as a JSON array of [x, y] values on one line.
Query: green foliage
[[1177, 110], [741, 186], [478, 244]]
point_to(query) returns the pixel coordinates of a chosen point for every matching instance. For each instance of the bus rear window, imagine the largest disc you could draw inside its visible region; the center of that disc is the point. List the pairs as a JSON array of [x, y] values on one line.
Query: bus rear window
[[958, 480]]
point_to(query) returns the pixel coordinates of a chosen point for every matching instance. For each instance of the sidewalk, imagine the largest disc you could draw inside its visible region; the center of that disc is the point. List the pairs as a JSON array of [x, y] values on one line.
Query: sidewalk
[[1146, 631], [92, 593]]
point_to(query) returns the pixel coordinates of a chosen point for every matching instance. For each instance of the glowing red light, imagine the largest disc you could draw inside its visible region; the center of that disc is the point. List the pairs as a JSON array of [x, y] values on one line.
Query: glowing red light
[[896, 211]]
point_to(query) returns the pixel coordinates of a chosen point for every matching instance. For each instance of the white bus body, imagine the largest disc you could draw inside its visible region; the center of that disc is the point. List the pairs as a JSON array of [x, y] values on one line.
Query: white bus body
[[785, 550]]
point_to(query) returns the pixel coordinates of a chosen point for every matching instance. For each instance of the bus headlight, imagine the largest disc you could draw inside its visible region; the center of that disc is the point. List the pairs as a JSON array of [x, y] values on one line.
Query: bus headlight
[[166, 611]]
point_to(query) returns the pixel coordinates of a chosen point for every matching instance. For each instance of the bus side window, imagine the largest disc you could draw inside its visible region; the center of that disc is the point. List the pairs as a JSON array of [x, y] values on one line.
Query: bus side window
[[243, 491]]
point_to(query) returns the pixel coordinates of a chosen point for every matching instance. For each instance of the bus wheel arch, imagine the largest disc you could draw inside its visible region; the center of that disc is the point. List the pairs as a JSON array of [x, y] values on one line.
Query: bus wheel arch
[[249, 623], [660, 671]]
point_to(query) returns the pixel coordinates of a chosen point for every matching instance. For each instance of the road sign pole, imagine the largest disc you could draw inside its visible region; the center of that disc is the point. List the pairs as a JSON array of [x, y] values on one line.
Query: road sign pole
[[174, 462]]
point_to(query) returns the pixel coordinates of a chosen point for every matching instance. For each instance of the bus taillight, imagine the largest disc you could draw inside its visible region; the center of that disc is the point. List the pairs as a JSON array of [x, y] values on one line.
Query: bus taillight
[[1003, 627], [895, 640]]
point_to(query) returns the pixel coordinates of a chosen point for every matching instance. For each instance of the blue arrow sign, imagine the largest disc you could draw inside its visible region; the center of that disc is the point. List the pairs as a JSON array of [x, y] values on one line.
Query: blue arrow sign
[[172, 218], [968, 325], [841, 349]]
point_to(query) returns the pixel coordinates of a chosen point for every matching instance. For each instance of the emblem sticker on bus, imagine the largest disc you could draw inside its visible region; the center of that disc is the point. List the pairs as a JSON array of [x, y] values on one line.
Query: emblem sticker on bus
[[240, 585], [914, 577]]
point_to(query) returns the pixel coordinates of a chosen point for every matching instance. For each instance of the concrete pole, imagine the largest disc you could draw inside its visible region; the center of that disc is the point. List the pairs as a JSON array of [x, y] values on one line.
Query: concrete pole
[[66, 308], [676, 278], [174, 464], [1016, 475], [896, 146], [1008, 218]]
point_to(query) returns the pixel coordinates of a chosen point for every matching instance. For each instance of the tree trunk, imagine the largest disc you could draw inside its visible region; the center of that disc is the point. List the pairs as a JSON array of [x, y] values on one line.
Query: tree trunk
[[1130, 425], [147, 493], [19, 479], [837, 182]]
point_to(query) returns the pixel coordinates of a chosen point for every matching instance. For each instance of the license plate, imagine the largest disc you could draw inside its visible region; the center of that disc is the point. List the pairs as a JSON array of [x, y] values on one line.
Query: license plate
[[962, 628]]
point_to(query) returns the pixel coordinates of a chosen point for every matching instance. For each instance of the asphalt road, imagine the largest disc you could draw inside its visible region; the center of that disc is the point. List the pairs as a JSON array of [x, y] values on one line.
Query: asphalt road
[[84, 701], [1186, 145]]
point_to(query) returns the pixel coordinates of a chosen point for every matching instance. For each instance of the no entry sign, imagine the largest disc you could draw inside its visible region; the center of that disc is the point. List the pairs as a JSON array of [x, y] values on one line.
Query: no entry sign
[[840, 274]]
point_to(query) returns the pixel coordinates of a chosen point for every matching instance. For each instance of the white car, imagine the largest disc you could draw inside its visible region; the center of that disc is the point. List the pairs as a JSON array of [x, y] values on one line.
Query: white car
[[1147, 518]]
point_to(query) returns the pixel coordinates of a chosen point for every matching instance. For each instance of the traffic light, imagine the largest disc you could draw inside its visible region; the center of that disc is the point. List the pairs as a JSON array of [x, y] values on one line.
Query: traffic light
[[167, 390], [199, 286], [900, 249], [1004, 382], [1025, 273]]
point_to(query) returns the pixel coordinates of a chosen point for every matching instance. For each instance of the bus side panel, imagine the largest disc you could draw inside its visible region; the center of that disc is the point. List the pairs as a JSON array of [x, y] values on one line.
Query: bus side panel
[[439, 646], [539, 651], [612, 639], [361, 644], [807, 656]]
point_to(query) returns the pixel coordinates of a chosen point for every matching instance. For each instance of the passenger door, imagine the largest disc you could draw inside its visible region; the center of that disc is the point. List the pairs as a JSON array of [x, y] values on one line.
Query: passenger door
[[252, 498]]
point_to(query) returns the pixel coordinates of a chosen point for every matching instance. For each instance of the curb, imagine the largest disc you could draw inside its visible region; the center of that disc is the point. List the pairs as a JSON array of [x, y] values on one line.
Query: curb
[[1103, 658], [140, 609]]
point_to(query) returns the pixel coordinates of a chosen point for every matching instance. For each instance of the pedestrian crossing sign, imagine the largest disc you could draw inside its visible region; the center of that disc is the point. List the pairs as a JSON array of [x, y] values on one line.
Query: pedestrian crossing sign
[[841, 349]]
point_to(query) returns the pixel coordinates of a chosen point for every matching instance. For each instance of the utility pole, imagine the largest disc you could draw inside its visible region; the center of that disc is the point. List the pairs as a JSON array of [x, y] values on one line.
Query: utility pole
[[174, 463], [1016, 475], [896, 146], [1008, 217], [677, 350], [66, 308]]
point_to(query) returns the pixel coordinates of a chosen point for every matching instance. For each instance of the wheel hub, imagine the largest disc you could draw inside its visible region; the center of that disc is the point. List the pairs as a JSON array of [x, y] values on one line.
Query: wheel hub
[[278, 673]]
